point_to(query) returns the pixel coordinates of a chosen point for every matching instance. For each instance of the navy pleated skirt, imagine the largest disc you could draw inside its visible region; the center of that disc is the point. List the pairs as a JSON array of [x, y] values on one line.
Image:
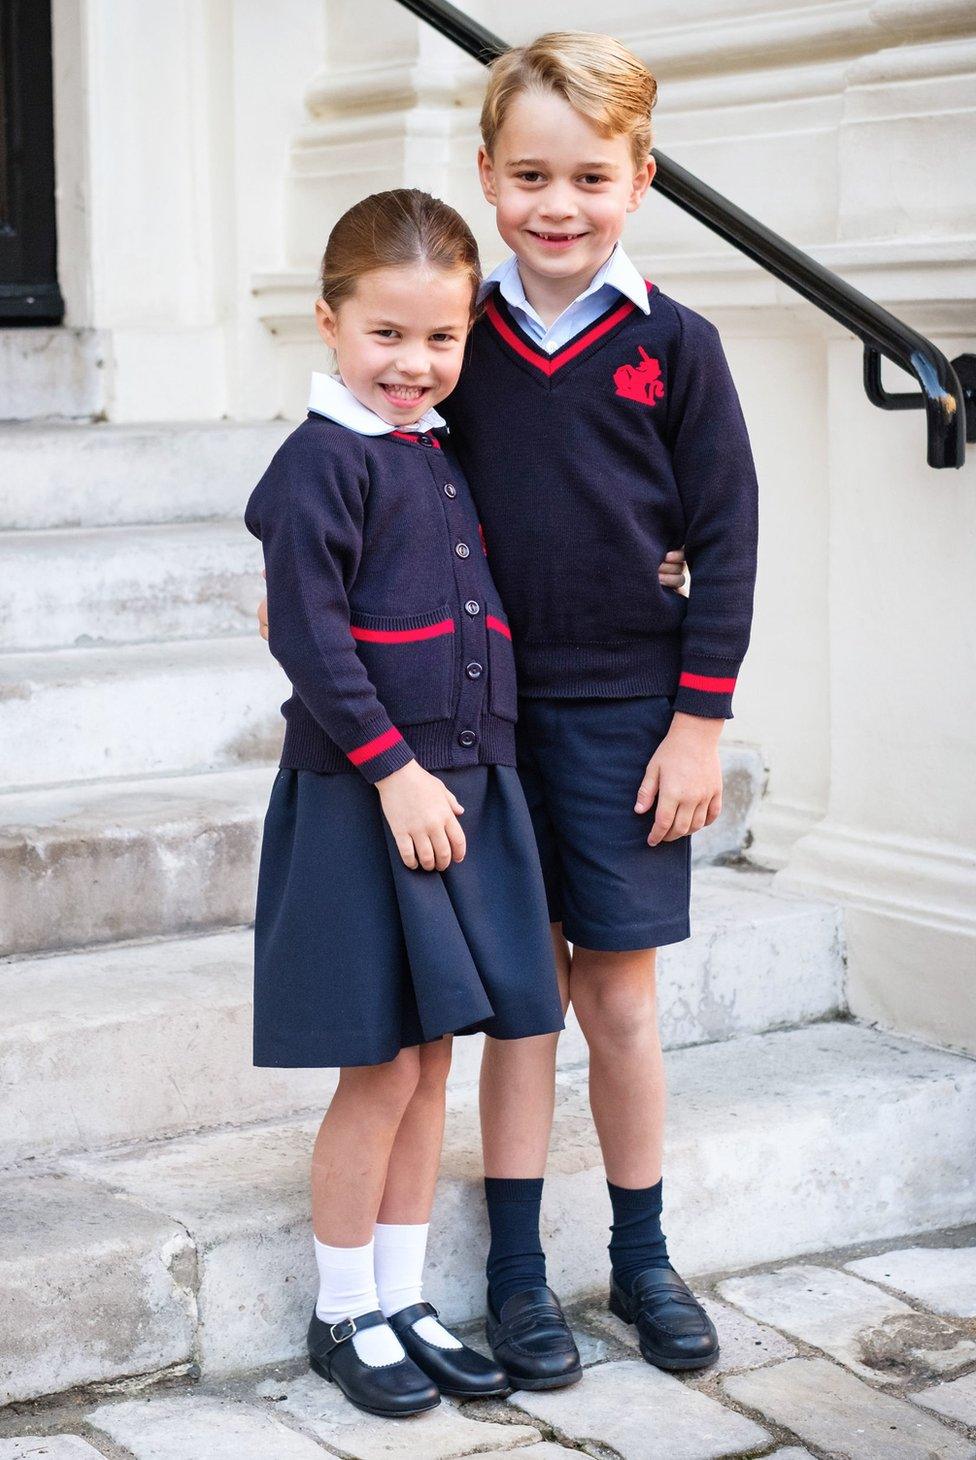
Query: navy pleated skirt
[[357, 956]]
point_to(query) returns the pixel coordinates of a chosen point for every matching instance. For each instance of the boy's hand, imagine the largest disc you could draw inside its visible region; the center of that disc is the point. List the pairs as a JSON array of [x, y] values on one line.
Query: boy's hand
[[423, 817], [263, 613], [671, 573], [685, 775]]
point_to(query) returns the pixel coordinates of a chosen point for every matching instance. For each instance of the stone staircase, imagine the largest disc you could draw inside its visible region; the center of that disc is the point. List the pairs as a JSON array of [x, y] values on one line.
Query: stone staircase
[[153, 1185]]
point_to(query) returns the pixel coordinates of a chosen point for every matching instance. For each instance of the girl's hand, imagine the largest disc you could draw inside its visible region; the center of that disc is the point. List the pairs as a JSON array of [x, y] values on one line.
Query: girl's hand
[[263, 613], [685, 775], [423, 817], [671, 573]]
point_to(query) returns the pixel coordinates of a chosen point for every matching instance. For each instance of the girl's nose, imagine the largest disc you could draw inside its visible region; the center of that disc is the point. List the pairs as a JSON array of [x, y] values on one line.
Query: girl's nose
[[413, 364]]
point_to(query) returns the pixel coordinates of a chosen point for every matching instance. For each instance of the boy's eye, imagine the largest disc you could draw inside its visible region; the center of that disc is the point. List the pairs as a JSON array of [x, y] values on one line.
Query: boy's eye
[[529, 177], [594, 177]]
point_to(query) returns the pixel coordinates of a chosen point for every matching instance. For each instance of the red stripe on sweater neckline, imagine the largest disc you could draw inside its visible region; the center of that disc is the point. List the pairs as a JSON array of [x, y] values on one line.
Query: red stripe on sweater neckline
[[414, 437], [549, 364]]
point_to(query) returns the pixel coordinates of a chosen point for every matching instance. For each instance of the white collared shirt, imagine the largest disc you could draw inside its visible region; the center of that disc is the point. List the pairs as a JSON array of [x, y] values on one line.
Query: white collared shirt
[[329, 396], [617, 276]]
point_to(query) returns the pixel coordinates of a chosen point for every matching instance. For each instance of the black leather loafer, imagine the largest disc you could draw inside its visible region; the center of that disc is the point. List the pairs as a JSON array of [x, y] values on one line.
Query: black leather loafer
[[532, 1341], [674, 1330], [461, 1372], [391, 1390]]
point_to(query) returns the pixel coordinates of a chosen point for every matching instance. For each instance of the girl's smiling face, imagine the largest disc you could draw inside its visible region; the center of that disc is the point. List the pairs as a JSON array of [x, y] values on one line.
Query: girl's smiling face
[[399, 337]]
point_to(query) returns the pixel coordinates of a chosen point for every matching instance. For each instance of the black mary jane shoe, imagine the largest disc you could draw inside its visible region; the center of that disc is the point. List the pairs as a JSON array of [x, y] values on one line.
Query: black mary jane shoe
[[390, 1390], [674, 1330], [461, 1372], [532, 1341]]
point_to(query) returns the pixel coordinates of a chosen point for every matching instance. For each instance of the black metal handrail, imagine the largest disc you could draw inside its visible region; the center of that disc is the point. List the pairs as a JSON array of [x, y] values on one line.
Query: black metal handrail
[[950, 407]]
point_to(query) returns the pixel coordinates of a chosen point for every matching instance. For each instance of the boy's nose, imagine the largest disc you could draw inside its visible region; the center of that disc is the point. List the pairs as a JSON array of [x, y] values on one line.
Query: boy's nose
[[557, 204]]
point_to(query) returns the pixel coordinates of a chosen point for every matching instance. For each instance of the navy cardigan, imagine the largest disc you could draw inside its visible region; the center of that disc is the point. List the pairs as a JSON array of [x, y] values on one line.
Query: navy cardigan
[[381, 606], [587, 465]]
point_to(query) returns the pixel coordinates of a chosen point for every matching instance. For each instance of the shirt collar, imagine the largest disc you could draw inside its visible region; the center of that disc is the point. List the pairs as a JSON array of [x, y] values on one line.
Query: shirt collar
[[330, 397], [618, 271]]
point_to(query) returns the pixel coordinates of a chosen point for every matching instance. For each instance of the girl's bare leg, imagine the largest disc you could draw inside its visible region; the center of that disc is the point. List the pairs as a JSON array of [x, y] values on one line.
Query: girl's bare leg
[[411, 1174], [352, 1149]]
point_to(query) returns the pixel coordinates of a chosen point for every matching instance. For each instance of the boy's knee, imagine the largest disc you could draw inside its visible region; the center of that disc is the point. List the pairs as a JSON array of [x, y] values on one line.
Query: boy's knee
[[617, 1010]]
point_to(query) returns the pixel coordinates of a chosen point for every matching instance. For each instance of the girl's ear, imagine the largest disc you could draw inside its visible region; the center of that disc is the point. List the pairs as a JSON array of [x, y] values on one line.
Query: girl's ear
[[486, 174], [642, 181], [325, 323]]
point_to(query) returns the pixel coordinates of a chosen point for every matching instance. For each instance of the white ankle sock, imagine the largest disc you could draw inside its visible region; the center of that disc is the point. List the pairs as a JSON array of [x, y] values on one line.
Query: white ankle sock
[[398, 1258], [347, 1288]]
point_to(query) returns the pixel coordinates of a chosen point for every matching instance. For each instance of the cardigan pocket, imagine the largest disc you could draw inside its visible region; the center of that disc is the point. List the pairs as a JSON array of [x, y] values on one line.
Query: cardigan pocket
[[410, 661], [502, 688]]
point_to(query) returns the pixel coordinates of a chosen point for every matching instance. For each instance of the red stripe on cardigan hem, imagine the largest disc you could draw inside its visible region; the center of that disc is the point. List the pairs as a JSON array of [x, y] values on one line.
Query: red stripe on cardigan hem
[[706, 683], [492, 622], [403, 636], [373, 748]]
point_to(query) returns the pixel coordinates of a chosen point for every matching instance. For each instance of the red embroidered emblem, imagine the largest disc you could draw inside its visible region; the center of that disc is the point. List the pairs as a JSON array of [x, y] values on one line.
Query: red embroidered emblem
[[640, 382]]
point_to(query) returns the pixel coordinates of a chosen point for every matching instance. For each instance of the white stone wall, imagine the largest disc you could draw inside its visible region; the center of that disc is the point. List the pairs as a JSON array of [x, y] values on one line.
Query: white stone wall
[[203, 156]]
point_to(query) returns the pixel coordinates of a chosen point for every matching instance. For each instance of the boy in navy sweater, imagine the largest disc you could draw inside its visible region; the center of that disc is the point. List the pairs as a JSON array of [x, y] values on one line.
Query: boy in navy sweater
[[599, 426]]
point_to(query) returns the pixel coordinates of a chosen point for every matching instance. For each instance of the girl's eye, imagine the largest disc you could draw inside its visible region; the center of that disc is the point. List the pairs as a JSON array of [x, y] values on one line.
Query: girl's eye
[[442, 338], [386, 334]]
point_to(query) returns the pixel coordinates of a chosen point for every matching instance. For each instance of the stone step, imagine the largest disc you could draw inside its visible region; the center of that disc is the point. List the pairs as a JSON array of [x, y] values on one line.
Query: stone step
[[199, 1248], [69, 587], [139, 709], [63, 474], [148, 1040], [92, 863], [54, 371]]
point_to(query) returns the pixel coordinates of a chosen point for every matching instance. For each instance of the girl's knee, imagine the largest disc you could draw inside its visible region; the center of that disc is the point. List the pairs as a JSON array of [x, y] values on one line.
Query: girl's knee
[[434, 1065], [389, 1086]]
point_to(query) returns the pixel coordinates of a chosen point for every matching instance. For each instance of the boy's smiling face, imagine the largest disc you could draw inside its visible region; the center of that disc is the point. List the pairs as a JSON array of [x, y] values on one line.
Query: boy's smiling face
[[560, 190]]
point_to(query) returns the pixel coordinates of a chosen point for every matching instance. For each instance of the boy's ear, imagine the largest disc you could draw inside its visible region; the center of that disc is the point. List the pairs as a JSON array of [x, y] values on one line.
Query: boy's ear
[[642, 182], [486, 174], [325, 323]]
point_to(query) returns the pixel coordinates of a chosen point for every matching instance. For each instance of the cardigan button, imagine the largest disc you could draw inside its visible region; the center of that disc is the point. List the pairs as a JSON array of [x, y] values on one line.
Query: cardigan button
[[467, 738], [474, 670], [450, 490], [473, 607], [462, 550]]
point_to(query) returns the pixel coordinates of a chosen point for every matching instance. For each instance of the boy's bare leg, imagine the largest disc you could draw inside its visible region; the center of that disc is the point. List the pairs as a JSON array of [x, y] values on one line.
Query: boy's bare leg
[[518, 1093], [615, 999]]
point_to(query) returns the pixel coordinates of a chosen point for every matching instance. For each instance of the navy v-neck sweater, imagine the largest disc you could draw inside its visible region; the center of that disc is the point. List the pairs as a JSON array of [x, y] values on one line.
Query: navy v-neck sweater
[[587, 466]]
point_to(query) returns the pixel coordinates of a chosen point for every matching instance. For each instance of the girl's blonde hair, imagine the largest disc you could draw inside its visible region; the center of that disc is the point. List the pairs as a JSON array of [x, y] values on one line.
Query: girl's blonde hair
[[595, 74], [388, 230]]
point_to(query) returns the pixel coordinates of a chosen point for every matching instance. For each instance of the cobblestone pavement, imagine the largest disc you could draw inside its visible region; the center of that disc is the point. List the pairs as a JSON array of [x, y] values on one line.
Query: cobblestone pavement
[[866, 1354]]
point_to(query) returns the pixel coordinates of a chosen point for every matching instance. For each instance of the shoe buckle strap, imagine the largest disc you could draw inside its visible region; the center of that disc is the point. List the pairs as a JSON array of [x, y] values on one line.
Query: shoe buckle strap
[[350, 1326]]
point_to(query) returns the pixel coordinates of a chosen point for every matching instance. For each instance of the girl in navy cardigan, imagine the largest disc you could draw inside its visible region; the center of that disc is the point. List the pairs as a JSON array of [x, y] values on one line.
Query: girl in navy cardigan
[[400, 896]]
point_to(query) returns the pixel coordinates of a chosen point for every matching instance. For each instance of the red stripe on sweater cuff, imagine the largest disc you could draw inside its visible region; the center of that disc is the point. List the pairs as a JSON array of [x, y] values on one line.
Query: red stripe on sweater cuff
[[376, 747], [495, 623], [403, 636], [707, 683]]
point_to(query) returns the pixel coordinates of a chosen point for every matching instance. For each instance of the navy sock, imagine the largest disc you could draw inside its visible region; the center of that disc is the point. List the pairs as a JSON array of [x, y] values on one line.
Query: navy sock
[[515, 1259], [636, 1239]]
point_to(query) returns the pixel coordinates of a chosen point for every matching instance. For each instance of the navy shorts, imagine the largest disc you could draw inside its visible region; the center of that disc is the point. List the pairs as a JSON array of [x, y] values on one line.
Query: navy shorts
[[581, 762]]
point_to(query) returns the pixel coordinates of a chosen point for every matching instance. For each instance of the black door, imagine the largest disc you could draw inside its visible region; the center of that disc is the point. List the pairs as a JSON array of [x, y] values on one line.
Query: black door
[[29, 292]]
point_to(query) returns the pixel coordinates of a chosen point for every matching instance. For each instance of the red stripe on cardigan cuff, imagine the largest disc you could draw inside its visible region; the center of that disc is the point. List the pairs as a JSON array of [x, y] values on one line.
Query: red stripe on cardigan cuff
[[492, 622], [403, 636], [414, 436], [706, 683], [375, 747]]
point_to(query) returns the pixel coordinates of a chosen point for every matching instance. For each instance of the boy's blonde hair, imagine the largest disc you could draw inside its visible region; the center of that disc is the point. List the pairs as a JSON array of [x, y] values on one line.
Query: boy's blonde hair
[[595, 74]]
